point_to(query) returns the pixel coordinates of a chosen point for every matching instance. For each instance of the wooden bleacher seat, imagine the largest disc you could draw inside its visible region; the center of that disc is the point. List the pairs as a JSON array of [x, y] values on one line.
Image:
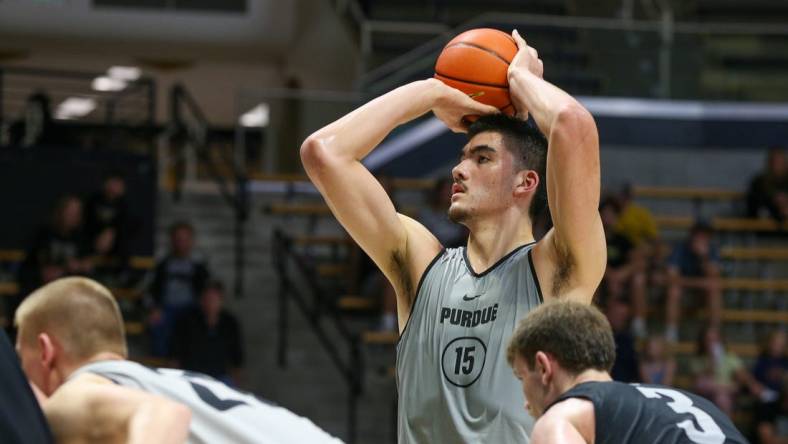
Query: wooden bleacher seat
[[316, 209], [755, 253], [380, 337], [659, 192], [754, 284], [132, 328], [8, 288], [12, 255], [154, 361], [413, 184], [404, 183], [135, 262], [284, 209], [333, 270], [323, 240], [743, 349], [759, 316], [721, 224], [12, 288], [356, 303]]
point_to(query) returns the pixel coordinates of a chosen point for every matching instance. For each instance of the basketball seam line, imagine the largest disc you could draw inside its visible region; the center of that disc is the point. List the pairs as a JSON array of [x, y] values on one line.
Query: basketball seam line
[[492, 85], [473, 45]]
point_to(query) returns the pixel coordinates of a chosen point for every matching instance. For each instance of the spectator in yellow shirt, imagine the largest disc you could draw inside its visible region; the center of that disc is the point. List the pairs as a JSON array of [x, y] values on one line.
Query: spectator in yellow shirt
[[636, 222]]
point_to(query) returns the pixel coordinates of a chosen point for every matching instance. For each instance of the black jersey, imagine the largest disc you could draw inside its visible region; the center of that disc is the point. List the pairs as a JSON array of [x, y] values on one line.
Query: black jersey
[[644, 413], [21, 419]]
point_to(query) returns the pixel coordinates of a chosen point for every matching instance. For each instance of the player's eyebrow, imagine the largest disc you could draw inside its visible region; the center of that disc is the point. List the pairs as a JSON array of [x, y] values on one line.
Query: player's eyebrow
[[476, 150]]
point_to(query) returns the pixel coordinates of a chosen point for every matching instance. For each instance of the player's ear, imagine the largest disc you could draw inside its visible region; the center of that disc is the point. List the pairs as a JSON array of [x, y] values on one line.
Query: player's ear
[[46, 350], [526, 182], [544, 367]]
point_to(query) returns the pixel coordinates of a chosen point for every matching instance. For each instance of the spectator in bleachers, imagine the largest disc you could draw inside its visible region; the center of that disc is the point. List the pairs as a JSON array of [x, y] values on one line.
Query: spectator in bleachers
[[767, 195], [178, 280], [719, 374], [436, 218], [693, 264], [59, 249], [625, 368], [771, 420], [656, 365], [636, 222], [625, 269], [106, 216], [207, 338], [772, 365]]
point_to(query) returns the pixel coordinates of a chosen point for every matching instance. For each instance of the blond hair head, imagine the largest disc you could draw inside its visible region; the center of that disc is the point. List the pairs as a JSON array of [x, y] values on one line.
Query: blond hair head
[[79, 312]]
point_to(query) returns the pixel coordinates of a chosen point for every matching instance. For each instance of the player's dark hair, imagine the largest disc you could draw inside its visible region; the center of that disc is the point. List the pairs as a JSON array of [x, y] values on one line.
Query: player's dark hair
[[576, 335], [526, 143]]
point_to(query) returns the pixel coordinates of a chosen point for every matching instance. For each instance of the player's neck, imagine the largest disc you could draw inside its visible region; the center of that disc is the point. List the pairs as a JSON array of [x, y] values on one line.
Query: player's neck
[[590, 375], [492, 239], [68, 367]]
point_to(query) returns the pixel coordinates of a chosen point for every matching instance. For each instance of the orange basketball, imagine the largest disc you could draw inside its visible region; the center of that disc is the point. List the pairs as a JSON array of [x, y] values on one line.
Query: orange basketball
[[476, 63]]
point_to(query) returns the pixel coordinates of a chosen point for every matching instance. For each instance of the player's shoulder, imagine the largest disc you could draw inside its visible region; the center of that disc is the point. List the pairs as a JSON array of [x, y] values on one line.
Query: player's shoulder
[[569, 417]]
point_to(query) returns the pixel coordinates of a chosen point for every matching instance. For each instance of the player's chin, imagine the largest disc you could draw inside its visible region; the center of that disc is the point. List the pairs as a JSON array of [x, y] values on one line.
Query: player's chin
[[457, 213]]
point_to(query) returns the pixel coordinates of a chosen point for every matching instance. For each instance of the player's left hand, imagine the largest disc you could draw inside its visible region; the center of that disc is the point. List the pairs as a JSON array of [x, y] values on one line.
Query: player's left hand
[[527, 59]]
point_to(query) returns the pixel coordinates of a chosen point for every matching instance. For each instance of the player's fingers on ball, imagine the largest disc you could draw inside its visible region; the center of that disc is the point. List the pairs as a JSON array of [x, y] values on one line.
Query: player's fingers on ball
[[481, 108], [519, 40]]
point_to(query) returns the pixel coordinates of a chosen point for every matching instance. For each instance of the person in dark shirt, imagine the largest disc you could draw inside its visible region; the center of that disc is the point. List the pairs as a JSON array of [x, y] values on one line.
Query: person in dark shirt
[[693, 264], [626, 268], [208, 338], [768, 191], [771, 420], [21, 419], [567, 386], [771, 367], [178, 280], [59, 249], [106, 216], [626, 367]]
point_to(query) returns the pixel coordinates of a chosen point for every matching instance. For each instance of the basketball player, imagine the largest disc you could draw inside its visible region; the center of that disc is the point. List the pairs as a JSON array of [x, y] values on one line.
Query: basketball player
[[457, 307], [72, 346], [566, 381]]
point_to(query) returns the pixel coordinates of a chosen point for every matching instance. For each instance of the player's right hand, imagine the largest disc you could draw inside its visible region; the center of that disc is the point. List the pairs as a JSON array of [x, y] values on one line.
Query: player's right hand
[[452, 106]]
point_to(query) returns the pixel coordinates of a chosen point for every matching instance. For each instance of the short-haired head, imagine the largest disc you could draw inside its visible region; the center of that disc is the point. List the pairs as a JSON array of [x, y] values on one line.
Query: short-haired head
[[81, 314], [576, 335], [527, 145]]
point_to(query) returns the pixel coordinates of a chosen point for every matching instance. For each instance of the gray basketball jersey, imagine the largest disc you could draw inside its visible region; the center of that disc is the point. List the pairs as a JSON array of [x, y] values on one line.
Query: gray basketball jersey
[[453, 379], [220, 414]]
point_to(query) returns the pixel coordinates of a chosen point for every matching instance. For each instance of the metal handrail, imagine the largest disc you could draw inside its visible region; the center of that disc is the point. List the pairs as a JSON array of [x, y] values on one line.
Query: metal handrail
[[181, 100], [351, 368]]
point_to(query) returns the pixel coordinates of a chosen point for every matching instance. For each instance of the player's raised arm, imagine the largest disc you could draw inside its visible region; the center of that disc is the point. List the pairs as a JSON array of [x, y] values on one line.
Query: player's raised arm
[[401, 247], [574, 250]]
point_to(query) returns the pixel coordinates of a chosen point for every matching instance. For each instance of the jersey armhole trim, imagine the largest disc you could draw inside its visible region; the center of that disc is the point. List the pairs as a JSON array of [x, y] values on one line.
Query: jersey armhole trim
[[416, 296], [536, 277]]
